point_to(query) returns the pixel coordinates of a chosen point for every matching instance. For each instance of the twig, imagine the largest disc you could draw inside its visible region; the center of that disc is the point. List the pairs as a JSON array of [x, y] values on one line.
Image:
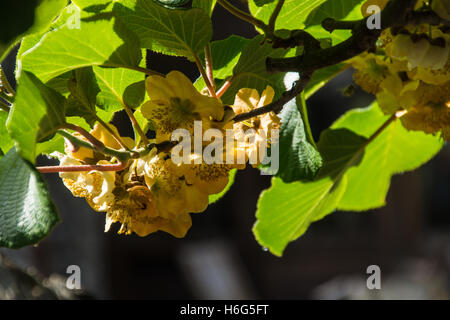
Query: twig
[[274, 16], [276, 106], [331, 24], [396, 13], [80, 168]]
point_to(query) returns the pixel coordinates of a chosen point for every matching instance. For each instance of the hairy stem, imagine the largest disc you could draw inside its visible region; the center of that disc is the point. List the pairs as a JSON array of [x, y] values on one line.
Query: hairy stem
[[202, 70], [225, 87], [98, 167], [209, 65], [98, 146]]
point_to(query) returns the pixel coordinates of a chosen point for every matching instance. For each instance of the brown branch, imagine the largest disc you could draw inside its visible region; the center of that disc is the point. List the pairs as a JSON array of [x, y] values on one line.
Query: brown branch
[[277, 105], [396, 13], [274, 16]]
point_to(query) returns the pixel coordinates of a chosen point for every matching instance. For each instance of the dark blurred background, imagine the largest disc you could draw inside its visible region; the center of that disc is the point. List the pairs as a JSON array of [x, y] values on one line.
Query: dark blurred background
[[220, 259]]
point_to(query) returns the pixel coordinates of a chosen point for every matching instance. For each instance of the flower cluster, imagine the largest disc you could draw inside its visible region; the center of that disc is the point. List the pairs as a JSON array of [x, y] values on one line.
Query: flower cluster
[[410, 72], [154, 192]]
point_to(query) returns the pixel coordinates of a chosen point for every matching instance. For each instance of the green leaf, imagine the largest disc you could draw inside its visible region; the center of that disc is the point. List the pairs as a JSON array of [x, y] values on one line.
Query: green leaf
[[168, 31], [285, 210], [27, 214], [355, 176], [84, 90], [292, 15], [36, 114], [61, 83], [215, 197], [22, 20], [6, 142], [99, 39], [299, 159], [339, 10], [250, 71], [118, 87], [206, 5], [225, 55], [396, 150]]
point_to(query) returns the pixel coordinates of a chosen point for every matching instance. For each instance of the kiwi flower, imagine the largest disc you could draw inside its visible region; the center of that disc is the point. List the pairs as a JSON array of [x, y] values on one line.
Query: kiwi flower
[[175, 104]]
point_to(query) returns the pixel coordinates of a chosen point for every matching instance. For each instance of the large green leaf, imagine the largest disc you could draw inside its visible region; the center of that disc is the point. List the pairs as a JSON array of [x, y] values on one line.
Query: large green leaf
[[250, 71], [27, 214], [355, 176], [36, 113], [285, 210], [173, 32], [22, 20], [99, 39], [119, 86], [396, 150], [292, 15]]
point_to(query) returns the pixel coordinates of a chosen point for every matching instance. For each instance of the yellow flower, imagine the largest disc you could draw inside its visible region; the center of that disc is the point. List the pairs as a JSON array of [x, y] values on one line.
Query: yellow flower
[[419, 51], [95, 186], [135, 208], [370, 71], [173, 192], [207, 178], [429, 119], [175, 103], [108, 139], [262, 126], [431, 76]]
